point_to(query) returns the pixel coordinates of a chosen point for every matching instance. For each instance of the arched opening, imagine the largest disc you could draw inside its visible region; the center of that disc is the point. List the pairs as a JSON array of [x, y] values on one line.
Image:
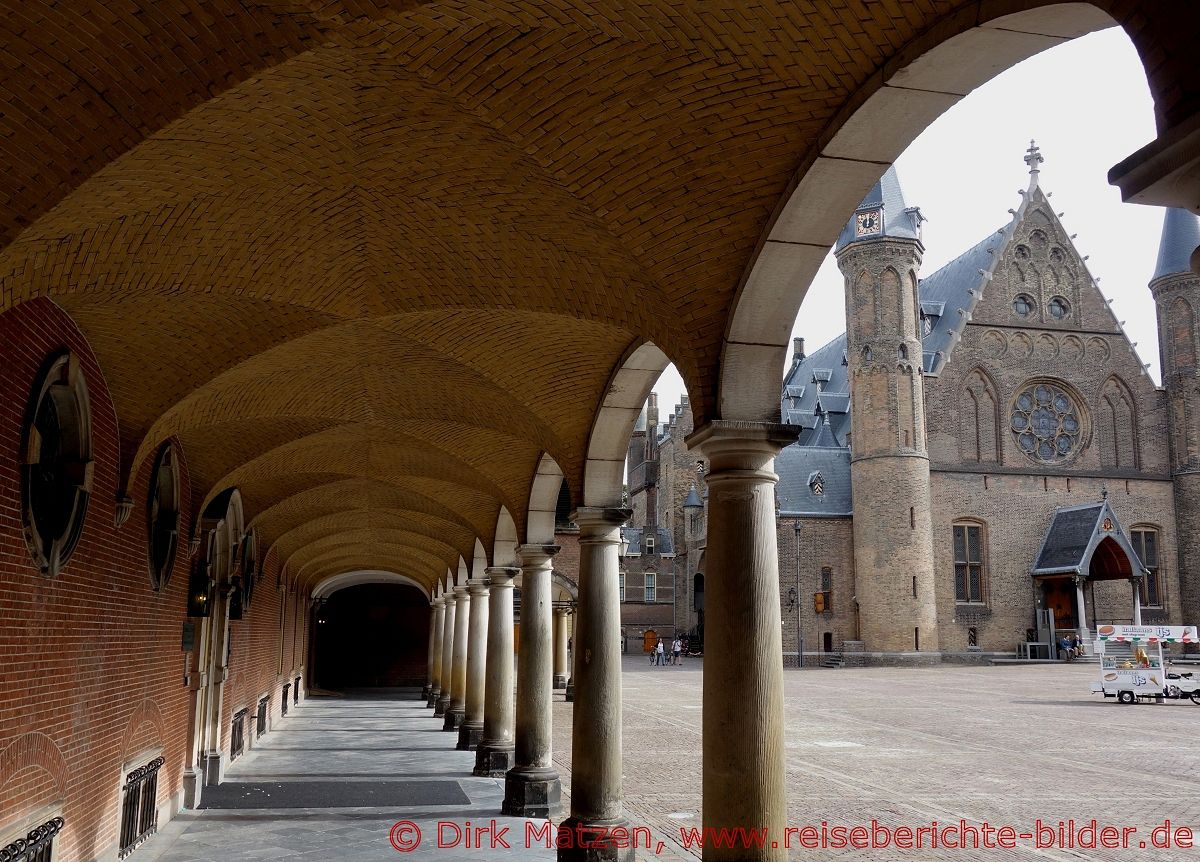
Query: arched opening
[[372, 635]]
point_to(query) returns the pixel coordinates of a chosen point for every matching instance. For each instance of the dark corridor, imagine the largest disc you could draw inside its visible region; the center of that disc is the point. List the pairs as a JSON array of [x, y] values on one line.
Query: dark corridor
[[372, 635]]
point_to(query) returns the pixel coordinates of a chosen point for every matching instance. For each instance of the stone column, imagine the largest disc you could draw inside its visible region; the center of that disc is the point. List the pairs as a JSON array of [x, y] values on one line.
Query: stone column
[[531, 787], [743, 770], [471, 730], [1137, 601], [1082, 621], [561, 673], [494, 756], [456, 709], [596, 719], [443, 703], [433, 682]]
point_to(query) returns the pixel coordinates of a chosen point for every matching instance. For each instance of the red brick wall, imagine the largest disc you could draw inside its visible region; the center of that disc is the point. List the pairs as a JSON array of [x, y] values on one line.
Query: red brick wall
[[91, 671]]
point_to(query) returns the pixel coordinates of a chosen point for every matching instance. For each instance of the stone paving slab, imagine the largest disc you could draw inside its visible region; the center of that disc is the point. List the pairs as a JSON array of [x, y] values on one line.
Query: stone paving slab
[[909, 746]]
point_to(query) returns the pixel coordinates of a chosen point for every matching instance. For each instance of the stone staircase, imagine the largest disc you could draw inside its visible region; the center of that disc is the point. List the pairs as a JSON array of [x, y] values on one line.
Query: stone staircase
[[833, 660]]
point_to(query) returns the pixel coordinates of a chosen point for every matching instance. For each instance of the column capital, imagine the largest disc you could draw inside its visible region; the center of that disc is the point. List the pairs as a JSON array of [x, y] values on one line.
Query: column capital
[[536, 555], [600, 525], [448, 598], [438, 601], [501, 576], [741, 445], [561, 611], [478, 586], [461, 591]]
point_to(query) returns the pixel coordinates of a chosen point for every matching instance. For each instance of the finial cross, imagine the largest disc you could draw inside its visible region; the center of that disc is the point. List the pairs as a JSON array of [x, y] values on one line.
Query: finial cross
[[1033, 156]]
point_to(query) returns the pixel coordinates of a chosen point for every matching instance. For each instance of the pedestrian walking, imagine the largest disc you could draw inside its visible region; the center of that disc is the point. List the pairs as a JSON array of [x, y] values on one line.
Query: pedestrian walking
[[660, 652], [676, 646]]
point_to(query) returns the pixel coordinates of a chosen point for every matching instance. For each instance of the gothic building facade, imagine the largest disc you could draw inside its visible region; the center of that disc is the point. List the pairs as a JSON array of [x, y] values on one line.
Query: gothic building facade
[[981, 456]]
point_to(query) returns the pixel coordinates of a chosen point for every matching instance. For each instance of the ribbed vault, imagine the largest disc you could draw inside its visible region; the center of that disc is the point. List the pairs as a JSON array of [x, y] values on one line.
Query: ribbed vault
[[372, 262]]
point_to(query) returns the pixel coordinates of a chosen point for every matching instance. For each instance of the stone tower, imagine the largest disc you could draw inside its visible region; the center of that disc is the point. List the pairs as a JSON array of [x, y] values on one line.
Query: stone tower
[[879, 253], [1176, 290]]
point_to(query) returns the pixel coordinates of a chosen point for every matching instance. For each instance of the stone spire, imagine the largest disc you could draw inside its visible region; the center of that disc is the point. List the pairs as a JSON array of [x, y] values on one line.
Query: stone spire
[[1180, 238]]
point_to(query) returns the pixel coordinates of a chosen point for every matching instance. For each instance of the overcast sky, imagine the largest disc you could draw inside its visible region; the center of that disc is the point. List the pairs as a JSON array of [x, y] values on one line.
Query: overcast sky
[[1087, 105]]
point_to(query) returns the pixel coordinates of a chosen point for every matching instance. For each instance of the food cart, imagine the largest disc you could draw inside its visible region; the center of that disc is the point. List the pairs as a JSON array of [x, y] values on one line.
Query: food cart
[[1143, 673]]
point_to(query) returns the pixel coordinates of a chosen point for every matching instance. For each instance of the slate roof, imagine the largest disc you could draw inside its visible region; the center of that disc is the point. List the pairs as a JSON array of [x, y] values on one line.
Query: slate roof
[[899, 220], [798, 465], [693, 500], [633, 535], [1180, 237], [1074, 533]]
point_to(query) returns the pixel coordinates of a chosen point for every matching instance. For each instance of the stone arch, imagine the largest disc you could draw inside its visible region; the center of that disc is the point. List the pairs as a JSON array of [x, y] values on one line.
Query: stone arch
[[608, 442], [543, 501], [330, 585], [1182, 329], [504, 547], [909, 93], [479, 562], [979, 419], [1117, 420]]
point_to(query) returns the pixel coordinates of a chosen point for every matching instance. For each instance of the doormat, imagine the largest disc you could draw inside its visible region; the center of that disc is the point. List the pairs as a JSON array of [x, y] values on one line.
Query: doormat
[[332, 794]]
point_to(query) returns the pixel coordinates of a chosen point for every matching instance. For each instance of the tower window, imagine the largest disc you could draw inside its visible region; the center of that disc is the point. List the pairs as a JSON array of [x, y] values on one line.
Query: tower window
[[1023, 305], [649, 544], [1059, 308], [56, 473]]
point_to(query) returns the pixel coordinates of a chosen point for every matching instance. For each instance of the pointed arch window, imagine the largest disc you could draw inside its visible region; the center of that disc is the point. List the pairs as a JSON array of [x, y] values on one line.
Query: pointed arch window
[[1145, 543], [970, 564]]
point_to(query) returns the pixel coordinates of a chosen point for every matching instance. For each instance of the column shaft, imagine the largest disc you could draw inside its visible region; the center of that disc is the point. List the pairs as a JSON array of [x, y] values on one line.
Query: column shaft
[[456, 709], [560, 648], [434, 669], [472, 726], [531, 788], [495, 754], [596, 719], [443, 702], [743, 783]]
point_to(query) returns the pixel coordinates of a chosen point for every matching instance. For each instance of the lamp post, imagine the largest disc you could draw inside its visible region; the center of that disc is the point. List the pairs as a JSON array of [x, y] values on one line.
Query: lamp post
[[795, 591]]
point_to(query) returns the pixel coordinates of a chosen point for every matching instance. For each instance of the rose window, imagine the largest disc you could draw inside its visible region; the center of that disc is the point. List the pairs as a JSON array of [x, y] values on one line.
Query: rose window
[[1046, 422]]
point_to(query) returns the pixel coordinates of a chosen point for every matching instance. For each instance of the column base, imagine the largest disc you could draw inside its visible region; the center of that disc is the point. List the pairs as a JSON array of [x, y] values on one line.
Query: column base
[[560, 680], [493, 762], [193, 788], [570, 697], [454, 720], [443, 705], [591, 842], [432, 697], [469, 736], [213, 765], [532, 792], [424, 692]]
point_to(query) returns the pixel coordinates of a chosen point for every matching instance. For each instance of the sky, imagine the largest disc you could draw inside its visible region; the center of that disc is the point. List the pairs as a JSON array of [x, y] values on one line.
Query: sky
[[1087, 105]]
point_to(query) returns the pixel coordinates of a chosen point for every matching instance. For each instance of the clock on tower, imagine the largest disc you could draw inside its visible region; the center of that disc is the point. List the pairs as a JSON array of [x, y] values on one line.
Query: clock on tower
[[868, 222]]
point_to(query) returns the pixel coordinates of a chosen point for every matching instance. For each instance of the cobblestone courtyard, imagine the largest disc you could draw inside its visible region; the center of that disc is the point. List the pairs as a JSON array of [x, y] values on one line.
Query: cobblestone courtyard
[[1005, 745]]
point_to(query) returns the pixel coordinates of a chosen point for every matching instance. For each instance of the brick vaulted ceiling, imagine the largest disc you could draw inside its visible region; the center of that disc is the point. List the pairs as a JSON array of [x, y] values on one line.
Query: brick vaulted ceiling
[[368, 261]]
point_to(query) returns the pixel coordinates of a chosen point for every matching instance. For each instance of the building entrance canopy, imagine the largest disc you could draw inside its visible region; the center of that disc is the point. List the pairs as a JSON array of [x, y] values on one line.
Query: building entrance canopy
[[1087, 541]]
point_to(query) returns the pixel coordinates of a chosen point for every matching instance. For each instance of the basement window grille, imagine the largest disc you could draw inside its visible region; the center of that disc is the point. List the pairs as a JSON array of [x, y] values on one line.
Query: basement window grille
[[296, 691], [237, 734], [36, 846], [260, 720], [284, 703], [139, 806]]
